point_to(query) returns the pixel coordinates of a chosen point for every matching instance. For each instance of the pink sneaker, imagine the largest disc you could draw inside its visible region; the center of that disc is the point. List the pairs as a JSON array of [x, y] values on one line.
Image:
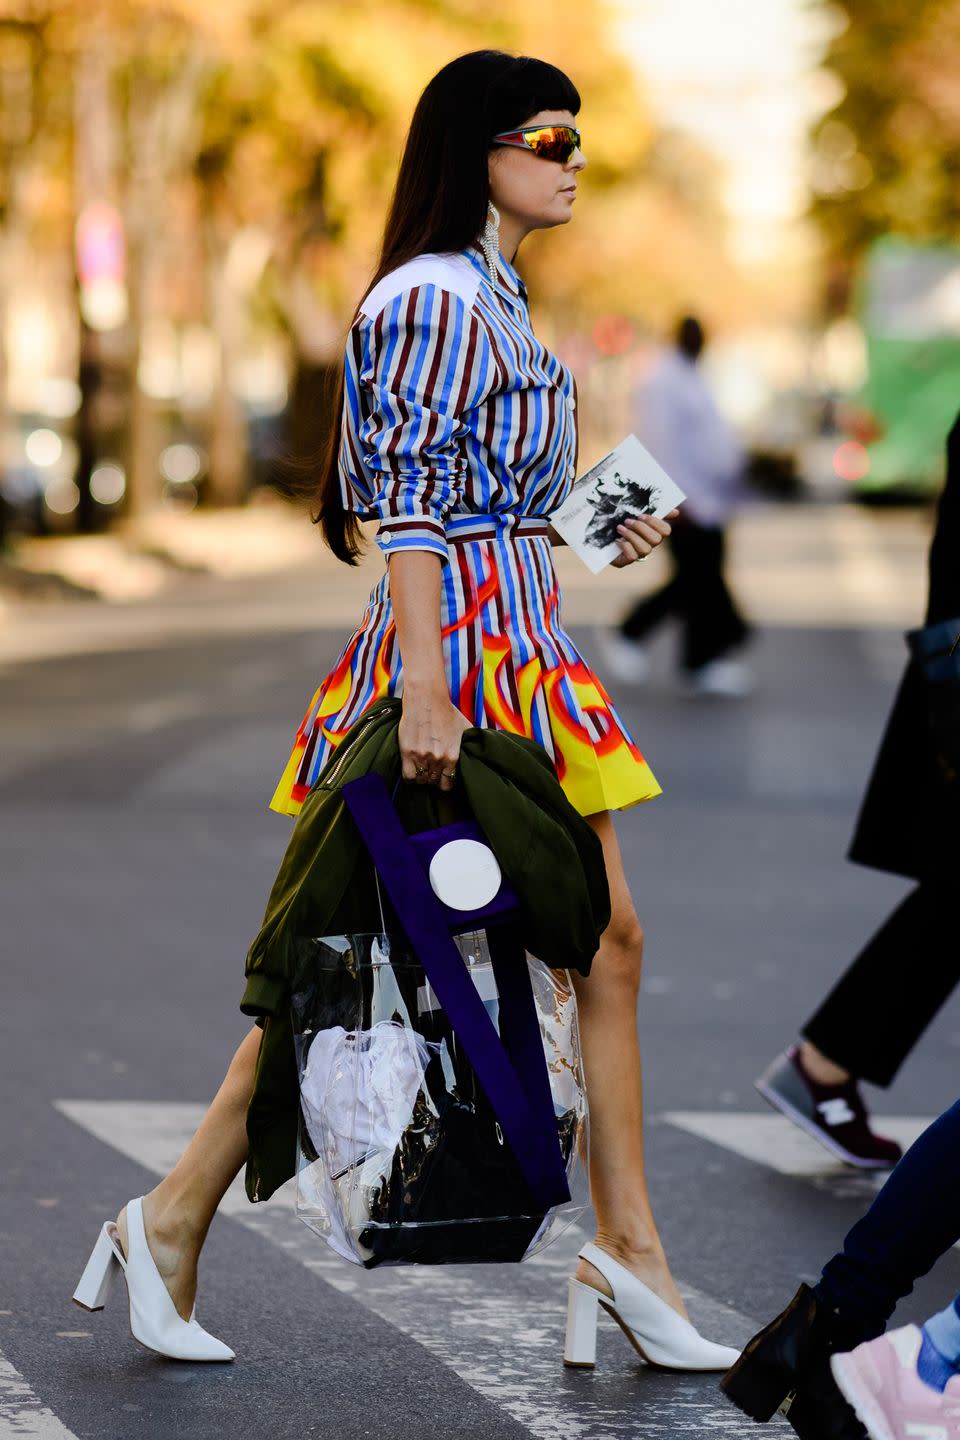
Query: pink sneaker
[[880, 1381]]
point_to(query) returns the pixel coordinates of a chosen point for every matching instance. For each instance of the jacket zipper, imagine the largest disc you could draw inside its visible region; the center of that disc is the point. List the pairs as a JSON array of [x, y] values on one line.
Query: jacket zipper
[[342, 760]]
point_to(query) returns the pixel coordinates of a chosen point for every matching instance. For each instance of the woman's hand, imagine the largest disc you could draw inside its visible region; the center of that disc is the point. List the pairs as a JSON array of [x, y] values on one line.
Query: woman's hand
[[641, 535], [431, 728]]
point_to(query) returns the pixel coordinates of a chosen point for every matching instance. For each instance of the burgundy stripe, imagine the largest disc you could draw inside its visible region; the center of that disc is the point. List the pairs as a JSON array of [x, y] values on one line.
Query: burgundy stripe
[[397, 376], [469, 379], [552, 429], [439, 341], [363, 663], [529, 606], [413, 525], [497, 602], [468, 636], [488, 437], [521, 436]]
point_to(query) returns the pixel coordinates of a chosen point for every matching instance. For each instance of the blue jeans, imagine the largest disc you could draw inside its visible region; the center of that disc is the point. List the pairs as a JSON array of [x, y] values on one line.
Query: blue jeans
[[913, 1221]]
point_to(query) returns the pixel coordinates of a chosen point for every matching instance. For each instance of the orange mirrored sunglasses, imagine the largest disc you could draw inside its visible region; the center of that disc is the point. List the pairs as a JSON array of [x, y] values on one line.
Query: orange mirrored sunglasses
[[550, 142]]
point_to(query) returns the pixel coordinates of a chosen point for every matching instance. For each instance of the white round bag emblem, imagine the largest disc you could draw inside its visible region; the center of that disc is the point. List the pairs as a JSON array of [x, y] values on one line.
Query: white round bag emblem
[[464, 874]]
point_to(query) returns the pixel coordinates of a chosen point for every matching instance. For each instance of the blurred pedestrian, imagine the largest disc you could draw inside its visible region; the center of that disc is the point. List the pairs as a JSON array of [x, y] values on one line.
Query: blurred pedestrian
[[909, 825], [458, 434], [678, 421], [908, 1378]]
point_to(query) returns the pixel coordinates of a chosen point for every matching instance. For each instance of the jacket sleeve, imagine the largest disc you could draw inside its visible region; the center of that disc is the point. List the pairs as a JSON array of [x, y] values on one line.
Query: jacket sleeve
[[427, 356]]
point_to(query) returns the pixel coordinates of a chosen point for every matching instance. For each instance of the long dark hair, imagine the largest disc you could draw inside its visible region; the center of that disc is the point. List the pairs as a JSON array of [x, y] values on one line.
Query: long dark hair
[[440, 201]]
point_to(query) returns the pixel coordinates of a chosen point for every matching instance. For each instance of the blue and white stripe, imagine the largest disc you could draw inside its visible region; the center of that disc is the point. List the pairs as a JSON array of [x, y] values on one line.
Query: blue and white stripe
[[452, 405], [459, 435]]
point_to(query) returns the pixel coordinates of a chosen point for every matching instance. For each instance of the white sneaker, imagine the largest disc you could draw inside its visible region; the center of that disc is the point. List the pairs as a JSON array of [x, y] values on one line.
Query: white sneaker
[[625, 660], [730, 679]]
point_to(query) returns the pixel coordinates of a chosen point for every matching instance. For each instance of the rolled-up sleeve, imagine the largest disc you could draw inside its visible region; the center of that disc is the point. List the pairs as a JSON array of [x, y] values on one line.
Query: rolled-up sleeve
[[425, 369]]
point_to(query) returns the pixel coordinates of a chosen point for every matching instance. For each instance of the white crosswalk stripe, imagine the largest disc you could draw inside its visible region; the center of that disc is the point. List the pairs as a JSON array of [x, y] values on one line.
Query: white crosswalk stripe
[[22, 1415], [772, 1141], [504, 1339]]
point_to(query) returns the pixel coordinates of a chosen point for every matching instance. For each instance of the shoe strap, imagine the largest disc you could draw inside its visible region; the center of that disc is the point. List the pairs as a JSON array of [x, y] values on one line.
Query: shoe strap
[[113, 1235], [612, 1271], [617, 1275]]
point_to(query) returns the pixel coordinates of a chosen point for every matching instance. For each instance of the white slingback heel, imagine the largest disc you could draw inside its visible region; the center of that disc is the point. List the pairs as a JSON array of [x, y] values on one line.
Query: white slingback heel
[[661, 1336], [153, 1315]]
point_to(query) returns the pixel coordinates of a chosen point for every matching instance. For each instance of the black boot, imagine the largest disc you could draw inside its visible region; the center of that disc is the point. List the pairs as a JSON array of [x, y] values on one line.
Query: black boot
[[786, 1367], [820, 1411]]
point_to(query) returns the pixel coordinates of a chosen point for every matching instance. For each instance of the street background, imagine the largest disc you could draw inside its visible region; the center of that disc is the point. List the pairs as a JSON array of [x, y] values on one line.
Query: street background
[[190, 199], [139, 744]]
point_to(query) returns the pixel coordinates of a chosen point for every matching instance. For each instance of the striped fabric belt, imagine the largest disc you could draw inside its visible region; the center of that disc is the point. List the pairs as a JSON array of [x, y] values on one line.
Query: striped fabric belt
[[461, 528]]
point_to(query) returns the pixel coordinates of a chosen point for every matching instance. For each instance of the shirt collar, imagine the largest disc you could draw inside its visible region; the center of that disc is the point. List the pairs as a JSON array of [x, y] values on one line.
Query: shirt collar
[[507, 283]]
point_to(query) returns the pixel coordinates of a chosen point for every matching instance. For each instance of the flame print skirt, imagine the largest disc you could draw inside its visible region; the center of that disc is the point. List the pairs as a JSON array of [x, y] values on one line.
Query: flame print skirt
[[510, 666]]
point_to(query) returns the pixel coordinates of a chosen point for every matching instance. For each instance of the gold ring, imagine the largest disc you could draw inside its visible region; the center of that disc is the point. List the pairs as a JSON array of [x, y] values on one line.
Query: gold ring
[[421, 770], [449, 774]]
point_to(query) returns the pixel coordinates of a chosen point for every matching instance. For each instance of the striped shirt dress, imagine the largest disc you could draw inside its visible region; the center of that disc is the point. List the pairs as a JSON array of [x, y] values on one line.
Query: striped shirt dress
[[459, 436]]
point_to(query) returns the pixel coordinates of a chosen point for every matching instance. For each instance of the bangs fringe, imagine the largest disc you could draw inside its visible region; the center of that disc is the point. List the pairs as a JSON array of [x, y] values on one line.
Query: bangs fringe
[[527, 87]]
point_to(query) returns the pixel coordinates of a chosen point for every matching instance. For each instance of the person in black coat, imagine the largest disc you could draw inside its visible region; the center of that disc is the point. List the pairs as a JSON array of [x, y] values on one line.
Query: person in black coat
[[909, 825]]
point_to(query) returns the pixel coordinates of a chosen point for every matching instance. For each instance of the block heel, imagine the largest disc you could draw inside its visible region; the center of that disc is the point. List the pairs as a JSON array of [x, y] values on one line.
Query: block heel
[[583, 1306], [759, 1390], [98, 1274]]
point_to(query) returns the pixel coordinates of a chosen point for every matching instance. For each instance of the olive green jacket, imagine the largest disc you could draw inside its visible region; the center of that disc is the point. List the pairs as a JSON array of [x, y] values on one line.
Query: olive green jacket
[[546, 850]]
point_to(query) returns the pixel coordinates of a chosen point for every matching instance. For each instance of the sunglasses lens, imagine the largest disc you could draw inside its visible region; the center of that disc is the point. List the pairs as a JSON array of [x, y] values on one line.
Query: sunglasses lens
[[557, 142]]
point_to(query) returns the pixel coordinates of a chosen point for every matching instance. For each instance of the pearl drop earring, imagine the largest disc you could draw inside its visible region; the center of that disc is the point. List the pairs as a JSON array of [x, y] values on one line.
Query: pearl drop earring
[[490, 239]]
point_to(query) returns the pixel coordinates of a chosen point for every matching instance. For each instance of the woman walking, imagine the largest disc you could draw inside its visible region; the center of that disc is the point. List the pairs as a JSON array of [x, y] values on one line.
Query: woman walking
[[459, 436], [909, 825]]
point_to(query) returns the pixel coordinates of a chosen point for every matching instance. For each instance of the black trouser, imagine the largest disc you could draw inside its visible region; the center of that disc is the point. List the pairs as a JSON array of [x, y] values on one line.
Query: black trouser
[[877, 1012], [698, 593]]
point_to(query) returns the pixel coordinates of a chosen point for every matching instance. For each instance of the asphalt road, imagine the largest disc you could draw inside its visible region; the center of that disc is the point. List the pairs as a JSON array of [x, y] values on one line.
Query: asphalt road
[[136, 857]]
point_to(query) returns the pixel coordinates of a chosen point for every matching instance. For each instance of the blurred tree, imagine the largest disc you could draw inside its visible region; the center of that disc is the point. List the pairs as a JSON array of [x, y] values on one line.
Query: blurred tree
[[19, 42], [251, 148], [304, 139], [116, 85], [887, 156]]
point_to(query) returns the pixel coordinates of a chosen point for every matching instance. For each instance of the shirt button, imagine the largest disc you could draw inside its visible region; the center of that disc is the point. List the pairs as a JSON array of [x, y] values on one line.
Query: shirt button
[[385, 539], [571, 403], [571, 472]]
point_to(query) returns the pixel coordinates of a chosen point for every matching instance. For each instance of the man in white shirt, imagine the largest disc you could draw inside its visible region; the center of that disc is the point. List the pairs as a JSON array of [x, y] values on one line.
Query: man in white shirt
[[682, 428]]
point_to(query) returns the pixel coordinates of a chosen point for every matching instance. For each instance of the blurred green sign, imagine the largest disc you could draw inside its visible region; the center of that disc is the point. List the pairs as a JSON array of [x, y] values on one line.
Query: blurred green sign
[[910, 312]]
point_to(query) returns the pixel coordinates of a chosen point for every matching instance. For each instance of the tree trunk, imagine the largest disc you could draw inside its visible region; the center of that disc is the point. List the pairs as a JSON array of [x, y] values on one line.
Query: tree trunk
[[143, 431], [162, 124], [89, 380], [228, 434]]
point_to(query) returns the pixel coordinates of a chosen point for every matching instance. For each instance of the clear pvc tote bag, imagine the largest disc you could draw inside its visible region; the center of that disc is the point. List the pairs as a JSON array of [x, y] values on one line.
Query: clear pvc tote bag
[[443, 1108]]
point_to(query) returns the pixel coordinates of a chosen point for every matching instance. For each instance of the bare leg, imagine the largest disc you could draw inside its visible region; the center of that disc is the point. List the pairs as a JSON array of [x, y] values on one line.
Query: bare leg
[[824, 1070], [607, 1002], [177, 1214]]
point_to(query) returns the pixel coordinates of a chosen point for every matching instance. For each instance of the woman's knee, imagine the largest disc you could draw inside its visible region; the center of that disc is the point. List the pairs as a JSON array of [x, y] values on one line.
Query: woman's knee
[[621, 946], [621, 950]]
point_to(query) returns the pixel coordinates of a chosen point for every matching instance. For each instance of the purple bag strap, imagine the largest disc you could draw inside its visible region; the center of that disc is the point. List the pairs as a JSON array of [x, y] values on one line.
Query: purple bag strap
[[519, 1024], [512, 1071]]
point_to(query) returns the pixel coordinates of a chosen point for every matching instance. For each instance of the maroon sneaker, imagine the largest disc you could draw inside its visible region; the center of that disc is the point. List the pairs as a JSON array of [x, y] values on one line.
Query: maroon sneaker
[[833, 1114]]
